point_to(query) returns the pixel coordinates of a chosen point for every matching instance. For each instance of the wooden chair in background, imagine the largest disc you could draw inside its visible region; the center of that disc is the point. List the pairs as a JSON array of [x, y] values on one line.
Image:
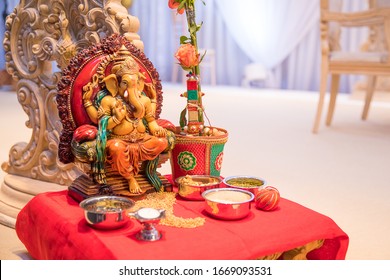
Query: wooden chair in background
[[373, 62]]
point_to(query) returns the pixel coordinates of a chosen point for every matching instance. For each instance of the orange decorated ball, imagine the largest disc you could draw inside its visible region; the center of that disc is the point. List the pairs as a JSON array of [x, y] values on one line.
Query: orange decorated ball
[[267, 199]]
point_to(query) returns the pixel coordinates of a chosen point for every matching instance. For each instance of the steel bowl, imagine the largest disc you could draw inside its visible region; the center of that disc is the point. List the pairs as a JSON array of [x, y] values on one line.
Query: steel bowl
[[106, 212], [191, 187], [228, 203], [248, 183]]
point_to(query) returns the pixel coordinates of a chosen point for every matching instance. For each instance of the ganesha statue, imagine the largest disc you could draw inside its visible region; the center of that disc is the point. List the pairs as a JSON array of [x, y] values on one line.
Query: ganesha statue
[[112, 120]]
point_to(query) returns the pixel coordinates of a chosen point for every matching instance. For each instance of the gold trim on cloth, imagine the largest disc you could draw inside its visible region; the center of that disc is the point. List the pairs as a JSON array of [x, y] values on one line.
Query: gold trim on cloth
[[298, 253], [132, 137]]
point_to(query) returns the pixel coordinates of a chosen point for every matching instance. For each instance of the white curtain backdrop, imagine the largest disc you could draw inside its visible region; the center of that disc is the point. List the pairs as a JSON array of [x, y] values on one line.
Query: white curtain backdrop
[[157, 31], [282, 35], [301, 68], [6, 7], [269, 30]]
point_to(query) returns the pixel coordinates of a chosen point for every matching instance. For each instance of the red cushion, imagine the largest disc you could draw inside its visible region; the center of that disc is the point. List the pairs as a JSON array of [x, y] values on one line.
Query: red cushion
[[85, 133], [166, 124]]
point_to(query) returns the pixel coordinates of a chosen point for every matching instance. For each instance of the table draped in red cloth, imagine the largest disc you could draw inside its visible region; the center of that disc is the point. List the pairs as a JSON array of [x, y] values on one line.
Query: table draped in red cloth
[[52, 226]]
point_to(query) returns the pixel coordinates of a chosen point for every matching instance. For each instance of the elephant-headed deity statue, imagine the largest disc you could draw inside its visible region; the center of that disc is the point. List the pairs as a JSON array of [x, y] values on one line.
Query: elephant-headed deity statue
[[109, 103]]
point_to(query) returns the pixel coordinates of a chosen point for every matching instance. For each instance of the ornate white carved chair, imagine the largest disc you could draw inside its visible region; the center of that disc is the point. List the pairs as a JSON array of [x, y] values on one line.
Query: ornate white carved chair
[[373, 62]]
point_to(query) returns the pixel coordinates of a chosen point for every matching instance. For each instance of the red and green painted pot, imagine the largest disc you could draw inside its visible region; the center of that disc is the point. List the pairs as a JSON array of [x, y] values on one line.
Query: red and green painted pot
[[198, 155]]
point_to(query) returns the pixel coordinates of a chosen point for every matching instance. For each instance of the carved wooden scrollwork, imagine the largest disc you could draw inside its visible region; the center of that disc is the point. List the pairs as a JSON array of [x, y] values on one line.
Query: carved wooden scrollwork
[[40, 36]]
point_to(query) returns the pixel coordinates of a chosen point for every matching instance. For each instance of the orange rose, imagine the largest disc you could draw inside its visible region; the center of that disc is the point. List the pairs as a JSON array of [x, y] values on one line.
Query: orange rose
[[187, 56], [173, 5]]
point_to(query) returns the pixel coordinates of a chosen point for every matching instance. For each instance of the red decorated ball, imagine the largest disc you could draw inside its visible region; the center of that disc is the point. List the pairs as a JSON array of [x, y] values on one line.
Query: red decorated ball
[[267, 199]]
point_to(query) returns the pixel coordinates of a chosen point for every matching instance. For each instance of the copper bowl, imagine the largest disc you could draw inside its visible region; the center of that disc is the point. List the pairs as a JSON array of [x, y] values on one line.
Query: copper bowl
[[191, 187], [228, 203], [248, 183], [106, 212]]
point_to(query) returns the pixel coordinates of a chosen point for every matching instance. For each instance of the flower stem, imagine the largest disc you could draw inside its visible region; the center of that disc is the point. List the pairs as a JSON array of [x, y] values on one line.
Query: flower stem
[[192, 29]]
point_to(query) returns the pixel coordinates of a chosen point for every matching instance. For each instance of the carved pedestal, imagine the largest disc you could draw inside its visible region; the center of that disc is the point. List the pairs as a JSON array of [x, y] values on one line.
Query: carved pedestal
[[83, 187], [16, 191]]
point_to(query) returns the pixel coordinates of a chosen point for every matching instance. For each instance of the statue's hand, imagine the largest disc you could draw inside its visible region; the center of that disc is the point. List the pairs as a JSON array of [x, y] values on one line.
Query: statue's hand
[[87, 91], [88, 88], [159, 132], [150, 91], [119, 110]]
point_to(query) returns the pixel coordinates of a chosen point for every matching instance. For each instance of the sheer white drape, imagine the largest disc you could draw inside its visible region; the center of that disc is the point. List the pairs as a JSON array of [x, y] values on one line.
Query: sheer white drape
[[283, 35], [6, 8], [157, 33], [280, 34], [301, 68], [269, 30]]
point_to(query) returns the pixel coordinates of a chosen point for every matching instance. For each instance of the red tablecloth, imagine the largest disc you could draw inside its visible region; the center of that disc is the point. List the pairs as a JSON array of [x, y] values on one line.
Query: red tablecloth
[[52, 226]]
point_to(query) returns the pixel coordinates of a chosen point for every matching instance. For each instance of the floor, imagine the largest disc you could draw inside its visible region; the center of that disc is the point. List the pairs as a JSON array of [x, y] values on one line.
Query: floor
[[10, 246]]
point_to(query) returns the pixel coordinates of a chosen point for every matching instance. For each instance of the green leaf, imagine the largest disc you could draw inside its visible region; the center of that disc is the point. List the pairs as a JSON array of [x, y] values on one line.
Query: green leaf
[[201, 58], [184, 40], [188, 69], [199, 26], [181, 6], [183, 119]]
